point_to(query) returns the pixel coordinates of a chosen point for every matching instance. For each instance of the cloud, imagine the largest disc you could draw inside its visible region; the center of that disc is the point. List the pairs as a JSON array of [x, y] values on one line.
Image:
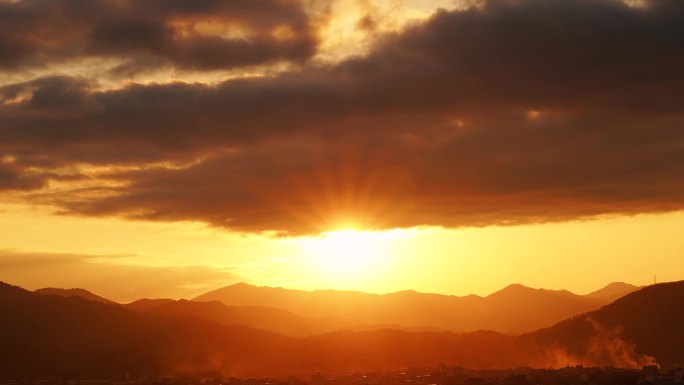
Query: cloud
[[204, 35], [107, 276], [519, 111], [14, 178]]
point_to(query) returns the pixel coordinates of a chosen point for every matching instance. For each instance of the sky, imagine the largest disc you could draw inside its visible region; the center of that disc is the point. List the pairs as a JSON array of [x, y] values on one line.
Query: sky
[[164, 148]]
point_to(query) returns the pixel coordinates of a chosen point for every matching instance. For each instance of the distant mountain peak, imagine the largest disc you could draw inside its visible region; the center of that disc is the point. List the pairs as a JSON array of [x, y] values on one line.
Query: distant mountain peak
[[618, 285], [241, 284], [613, 291], [517, 286], [514, 288], [404, 292]]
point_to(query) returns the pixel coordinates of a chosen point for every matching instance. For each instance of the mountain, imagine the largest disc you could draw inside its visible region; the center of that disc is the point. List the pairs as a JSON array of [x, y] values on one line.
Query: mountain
[[613, 291], [85, 294], [525, 309], [271, 319], [639, 328], [529, 309], [70, 336], [57, 336], [149, 305], [42, 335], [276, 320]]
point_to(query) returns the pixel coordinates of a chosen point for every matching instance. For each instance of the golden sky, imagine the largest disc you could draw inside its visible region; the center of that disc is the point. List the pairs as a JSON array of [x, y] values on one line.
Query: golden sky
[[151, 149], [126, 260]]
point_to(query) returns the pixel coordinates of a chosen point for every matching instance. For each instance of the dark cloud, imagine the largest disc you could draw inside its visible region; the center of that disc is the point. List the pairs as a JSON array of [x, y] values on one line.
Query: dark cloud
[[521, 111], [206, 35], [15, 178], [560, 169]]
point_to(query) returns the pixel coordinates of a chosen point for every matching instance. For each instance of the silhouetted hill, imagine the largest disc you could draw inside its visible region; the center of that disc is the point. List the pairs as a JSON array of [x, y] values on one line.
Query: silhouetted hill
[[613, 291], [525, 308], [147, 304], [12, 293], [648, 322], [515, 309], [73, 293], [276, 320], [51, 335]]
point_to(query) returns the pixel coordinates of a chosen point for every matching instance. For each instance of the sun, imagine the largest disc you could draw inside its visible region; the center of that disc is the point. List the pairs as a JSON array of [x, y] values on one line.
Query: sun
[[349, 254], [347, 251], [351, 259]]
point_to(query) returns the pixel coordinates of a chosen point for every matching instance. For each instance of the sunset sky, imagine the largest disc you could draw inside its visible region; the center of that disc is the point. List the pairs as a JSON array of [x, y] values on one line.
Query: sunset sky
[[164, 148]]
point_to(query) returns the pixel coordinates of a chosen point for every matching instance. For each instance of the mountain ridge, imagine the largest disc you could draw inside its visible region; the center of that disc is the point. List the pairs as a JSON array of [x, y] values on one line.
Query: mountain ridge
[[614, 290], [44, 335], [74, 292], [469, 313], [528, 309], [265, 318]]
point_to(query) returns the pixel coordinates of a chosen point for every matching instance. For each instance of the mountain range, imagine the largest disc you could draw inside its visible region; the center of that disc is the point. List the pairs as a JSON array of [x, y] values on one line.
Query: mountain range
[[272, 319], [526, 309], [305, 313], [57, 335]]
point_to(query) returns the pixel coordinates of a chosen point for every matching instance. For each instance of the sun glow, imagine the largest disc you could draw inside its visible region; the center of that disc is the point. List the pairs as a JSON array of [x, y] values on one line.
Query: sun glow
[[350, 255], [346, 252]]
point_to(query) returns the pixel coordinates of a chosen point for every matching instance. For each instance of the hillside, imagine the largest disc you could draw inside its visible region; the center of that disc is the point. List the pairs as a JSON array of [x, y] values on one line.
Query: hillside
[[276, 320], [85, 294], [646, 323], [51, 335]]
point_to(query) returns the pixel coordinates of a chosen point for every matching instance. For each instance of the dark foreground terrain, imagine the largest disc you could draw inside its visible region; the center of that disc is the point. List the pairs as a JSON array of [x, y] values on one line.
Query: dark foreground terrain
[[440, 375]]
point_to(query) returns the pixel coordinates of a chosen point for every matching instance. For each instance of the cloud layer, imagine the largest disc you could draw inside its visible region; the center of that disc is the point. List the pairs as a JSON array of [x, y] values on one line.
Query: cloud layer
[[519, 111], [202, 34]]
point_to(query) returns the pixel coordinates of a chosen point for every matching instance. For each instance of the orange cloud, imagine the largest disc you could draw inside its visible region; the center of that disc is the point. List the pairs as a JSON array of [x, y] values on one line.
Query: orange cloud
[[432, 127]]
